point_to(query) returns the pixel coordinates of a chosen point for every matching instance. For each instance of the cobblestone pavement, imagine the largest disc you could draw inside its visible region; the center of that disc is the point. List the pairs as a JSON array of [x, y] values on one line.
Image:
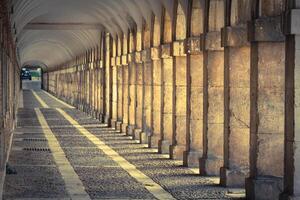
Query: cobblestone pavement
[[36, 169]]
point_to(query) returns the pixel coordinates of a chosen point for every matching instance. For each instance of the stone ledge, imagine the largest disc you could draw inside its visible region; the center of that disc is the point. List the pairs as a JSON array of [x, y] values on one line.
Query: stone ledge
[[267, 29], [234, 36]]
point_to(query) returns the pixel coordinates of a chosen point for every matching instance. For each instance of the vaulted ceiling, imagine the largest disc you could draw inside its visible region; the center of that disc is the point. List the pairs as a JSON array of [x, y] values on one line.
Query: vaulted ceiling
[[50, 32]]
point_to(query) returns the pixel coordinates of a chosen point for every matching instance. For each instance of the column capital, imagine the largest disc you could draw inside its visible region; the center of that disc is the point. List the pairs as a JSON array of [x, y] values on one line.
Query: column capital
[[165, 50], [118, 61], [179, 48], [234, 36], [138, 56], [212, 41], [124, 60], [266, 29], [193, 45], [113, 61]]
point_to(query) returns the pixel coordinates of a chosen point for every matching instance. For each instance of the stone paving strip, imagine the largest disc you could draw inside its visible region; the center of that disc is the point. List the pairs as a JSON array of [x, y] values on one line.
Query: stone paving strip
[[60, 101], [73, 184], [44, 105]]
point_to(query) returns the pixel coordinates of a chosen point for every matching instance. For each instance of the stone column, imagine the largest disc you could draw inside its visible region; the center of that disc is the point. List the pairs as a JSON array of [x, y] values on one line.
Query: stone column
[[196, 80], [147, 108], [212, 160], [157, 97], [180, 68], [139, 95], [114, 92], [132, 94], [108, 80], [237, 106], [101, 92], [120, 93], [292, 102], [96, 92], [125, 93], [267, 105], [168, 99]]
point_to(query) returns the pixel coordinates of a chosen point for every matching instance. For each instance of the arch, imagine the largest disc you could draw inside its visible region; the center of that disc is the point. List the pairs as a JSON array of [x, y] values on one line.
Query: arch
[[180, 32]]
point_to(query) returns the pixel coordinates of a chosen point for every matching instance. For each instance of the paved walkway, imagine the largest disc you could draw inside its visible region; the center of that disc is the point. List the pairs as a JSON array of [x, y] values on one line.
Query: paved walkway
[[59, 152]]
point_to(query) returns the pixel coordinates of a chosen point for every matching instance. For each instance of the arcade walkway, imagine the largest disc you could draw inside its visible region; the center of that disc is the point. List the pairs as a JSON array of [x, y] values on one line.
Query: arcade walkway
[[59, 152]]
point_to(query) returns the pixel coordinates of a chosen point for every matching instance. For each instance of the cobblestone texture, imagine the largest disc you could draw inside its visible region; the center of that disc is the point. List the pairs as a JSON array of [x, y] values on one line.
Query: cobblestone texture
[[38, 177]]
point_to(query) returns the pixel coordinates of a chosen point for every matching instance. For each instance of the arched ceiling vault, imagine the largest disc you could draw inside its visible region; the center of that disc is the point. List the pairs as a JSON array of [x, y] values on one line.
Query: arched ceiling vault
[[51, 32]]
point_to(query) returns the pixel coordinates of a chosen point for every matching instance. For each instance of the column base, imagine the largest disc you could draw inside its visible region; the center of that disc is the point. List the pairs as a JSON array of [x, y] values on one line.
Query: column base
[[137, 134], [101, 118], [192, 158], [94, 114], [164, 146], [177, 151], [113, 123], [154, 141], [144, 138], [289, 197], [233, 178], [119, 126], [130, 130], [266, 188], [107, 120], [124, 128], [210, 166]]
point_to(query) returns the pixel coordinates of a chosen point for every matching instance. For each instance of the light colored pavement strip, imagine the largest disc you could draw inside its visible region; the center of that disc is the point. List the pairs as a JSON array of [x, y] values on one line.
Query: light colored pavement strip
[[57, 99], [43, 104], [73, 184], [148, 183]]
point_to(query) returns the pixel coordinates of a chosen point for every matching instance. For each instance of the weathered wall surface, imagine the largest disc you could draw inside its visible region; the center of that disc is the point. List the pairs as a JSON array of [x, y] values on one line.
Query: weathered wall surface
[[9, 87]]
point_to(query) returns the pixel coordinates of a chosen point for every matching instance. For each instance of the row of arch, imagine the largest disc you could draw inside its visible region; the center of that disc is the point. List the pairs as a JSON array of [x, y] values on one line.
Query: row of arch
[[114, 16], [207, 85]]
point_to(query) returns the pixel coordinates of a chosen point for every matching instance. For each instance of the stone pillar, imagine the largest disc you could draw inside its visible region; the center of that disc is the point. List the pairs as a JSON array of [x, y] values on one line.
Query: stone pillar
[[292, 102], [120, 93], [212, 160], [180, 68], [147, 107], [125, 94], [108, 80], [267, 105], [139, 95], [102, 92], [168, 99], [132, 94], [157, 97], [114, 92], [237, 106], [196, 79]]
